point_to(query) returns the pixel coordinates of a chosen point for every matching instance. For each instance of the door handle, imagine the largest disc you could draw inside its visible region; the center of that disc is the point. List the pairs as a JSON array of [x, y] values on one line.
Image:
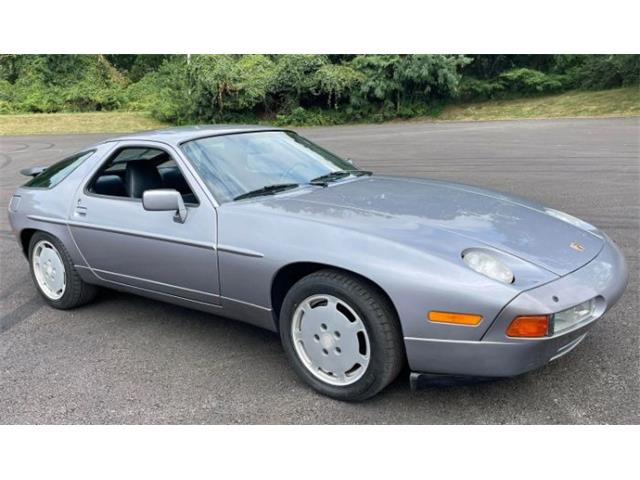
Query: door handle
[[80, 210]]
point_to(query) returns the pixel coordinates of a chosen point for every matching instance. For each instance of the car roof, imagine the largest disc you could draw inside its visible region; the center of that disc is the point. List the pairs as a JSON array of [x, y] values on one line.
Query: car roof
[[178, 135]]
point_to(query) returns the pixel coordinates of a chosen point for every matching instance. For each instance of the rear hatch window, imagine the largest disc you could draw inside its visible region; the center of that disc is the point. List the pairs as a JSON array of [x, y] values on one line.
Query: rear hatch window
[[58, 171]]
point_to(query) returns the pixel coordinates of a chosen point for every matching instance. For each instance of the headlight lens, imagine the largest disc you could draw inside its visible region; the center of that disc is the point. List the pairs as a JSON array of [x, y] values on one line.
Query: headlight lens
[[488, 265], [574, 315]]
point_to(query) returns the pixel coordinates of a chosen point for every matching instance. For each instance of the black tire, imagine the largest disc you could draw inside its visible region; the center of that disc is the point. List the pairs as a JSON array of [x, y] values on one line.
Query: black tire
[[77, 291], [383, 328]]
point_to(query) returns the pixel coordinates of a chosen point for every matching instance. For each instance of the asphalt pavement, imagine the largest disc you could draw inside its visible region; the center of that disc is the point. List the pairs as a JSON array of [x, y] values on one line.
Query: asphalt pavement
[[126, 359]]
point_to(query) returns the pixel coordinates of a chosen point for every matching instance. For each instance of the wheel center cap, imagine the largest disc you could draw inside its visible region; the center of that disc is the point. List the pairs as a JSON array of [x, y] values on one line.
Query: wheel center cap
[[327, 342]]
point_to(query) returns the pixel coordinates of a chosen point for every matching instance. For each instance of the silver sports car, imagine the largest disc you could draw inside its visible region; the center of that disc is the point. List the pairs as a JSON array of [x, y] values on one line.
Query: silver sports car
[[359, 273]]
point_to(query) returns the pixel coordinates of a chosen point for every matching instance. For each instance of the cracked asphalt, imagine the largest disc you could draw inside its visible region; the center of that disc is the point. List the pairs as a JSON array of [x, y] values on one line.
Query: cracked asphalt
[[126, 359]]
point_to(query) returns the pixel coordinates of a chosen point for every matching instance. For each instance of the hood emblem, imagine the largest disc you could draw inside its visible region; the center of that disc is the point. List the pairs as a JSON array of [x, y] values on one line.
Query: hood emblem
[[576, 246]]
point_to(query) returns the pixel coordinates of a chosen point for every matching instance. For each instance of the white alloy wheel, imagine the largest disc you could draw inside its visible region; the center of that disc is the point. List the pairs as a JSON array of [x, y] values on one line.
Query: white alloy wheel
[[49, 270], [330, 339]]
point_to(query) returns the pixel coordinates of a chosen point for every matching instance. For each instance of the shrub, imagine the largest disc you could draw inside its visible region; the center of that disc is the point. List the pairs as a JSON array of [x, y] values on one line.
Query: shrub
[[426, 77], [527, 81], [473, 88], [391, 80], [336, 82], [599, 72], [380, 82], [296, 89], [168, 93], [6, 95], [225, 83], [294, 80], [52, 83]]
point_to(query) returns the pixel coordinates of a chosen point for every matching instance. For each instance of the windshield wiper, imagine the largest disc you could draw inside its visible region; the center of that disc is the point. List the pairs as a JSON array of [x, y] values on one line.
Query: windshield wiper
[[337, 175], [267, 190]]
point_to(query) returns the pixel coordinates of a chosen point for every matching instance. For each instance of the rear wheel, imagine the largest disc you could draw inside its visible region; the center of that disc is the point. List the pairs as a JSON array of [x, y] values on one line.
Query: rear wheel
[[341, 335], [54, 275]]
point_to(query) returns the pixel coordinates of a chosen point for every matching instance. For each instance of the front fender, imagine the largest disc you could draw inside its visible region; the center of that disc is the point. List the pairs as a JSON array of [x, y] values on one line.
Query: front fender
[[256, 241]]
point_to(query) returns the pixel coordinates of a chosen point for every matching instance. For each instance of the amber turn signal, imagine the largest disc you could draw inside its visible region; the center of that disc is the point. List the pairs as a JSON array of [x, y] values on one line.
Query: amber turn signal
[[457, 318], [529, 326]]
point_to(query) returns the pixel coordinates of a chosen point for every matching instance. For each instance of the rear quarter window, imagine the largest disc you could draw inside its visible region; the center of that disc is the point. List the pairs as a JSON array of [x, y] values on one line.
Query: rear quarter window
[[58, 171]]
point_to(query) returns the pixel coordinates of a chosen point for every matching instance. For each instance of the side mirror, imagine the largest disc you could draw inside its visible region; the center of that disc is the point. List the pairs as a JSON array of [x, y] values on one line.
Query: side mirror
[[165, 199]]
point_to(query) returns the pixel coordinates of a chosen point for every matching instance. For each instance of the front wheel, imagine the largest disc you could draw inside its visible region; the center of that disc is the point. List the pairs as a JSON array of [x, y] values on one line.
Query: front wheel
[[341, 335]]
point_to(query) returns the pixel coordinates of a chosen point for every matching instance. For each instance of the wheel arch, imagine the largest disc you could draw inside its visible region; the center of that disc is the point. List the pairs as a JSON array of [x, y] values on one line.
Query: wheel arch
[[25, 238], [289, 274], [58, 231]]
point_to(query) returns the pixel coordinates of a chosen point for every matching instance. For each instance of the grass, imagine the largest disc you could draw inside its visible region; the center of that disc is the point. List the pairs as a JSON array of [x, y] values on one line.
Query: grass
[[618, 102], [94, 122], [608, 103]]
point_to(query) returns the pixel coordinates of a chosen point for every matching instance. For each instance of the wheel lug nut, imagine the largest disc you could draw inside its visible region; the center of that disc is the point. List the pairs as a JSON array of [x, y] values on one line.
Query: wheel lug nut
[[338, 350], [316, 338], [324, 350], [337, 334], [323, 326]]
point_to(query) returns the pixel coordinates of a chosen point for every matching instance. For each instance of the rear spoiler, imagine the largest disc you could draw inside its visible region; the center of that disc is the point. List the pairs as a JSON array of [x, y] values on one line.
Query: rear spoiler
[[33, 171]]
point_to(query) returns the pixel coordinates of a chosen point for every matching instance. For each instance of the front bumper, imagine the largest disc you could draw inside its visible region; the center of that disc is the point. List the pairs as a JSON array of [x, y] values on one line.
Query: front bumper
[[496, 355]]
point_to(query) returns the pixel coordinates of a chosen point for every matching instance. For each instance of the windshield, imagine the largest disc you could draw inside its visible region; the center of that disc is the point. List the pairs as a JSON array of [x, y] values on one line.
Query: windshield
[[233, 165]]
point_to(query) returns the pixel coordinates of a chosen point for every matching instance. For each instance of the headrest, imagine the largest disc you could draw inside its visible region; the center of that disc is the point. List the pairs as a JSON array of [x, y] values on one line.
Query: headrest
[[139, 176]]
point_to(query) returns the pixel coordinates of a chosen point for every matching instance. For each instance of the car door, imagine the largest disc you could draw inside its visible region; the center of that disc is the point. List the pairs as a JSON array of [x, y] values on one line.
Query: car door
[[123, 243]]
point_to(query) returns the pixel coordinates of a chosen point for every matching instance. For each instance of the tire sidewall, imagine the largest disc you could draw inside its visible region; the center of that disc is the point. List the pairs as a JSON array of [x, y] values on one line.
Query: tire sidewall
[[371, 379]]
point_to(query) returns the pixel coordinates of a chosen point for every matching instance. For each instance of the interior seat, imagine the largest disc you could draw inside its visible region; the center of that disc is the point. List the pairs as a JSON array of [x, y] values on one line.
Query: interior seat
[[172, 178], [110, 185], [140, 176]]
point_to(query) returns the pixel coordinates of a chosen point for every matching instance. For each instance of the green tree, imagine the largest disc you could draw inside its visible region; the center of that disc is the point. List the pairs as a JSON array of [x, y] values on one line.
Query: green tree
[[49, 83], [527, 81], [231, 83], [168, 93], [135, 66], [608, 71], [294, 79], [393, 79], [317, 89], [336, 82], [380, 79]]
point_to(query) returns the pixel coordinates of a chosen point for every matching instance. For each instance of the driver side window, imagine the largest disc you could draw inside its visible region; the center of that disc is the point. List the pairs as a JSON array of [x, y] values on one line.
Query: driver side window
[[133, 170]]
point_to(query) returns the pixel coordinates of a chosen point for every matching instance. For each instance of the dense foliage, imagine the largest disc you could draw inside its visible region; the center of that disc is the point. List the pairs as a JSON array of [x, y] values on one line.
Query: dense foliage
[[295, 89], [498, 76]]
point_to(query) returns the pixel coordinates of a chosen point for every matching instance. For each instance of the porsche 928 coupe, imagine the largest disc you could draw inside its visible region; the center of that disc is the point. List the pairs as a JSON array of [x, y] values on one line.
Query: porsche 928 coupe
[[360, 274]]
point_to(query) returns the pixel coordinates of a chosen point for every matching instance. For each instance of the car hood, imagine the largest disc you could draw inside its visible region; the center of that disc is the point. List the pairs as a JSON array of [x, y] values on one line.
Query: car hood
[[486, 218]]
